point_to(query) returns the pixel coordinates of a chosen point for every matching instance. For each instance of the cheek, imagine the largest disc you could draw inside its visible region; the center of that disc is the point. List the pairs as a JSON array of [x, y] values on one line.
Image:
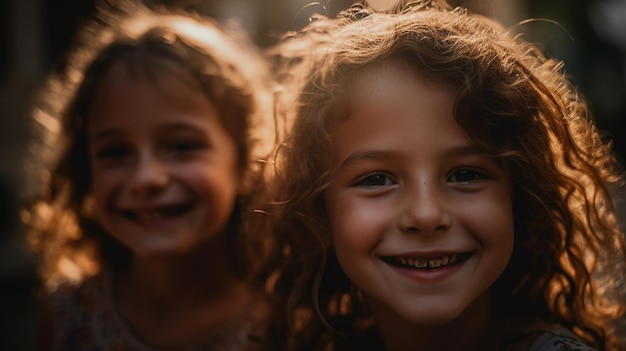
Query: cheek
[[217, 187], [355, 225], [104, 184], [354, 236], [492, 222]]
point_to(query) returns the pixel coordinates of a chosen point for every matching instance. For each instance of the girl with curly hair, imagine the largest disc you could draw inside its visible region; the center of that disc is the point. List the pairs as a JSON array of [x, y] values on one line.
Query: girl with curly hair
[[143, 225], [443, 187]]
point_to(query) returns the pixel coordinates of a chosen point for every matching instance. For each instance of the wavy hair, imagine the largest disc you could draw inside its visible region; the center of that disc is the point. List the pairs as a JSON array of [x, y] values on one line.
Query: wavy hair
[[568, 261], [217, 60]]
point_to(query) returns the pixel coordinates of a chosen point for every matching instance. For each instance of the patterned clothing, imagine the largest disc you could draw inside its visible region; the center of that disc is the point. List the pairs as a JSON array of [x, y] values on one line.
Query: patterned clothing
[[551, 339], [558, 340], [85, 318]]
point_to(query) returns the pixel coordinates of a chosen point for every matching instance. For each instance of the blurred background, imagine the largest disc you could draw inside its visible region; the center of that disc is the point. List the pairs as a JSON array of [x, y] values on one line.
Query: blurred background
[[588, 35]]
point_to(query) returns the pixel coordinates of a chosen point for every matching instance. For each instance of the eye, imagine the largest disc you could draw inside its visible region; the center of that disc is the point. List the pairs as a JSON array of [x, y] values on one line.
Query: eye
[[112, 152], [376, 179], [184, 146], [467, 175]]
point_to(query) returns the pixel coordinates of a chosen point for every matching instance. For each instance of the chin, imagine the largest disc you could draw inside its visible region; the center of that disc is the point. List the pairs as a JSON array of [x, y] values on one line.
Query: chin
[[431, 315], [160, 250]]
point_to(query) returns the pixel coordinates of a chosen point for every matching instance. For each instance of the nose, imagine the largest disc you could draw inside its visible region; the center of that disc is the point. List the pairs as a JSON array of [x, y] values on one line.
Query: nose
[[150, 174], [424, 211]]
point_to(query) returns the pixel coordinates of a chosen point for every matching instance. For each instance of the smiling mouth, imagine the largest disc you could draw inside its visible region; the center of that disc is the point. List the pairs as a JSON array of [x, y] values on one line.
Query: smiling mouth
[[157, 214], [427, 263]]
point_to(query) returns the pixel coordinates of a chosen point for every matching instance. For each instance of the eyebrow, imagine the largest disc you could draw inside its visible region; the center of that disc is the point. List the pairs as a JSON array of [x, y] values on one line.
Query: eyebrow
[[369, 155], [170, 127], [366, 155], [104, 134]]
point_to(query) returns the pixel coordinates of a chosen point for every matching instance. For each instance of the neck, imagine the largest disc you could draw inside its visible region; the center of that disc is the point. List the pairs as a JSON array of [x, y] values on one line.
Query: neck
[[461, 334], [180, 301], [204, 273]]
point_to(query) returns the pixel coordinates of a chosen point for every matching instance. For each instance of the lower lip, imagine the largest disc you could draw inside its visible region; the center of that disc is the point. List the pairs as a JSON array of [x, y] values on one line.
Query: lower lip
[[431, 276]]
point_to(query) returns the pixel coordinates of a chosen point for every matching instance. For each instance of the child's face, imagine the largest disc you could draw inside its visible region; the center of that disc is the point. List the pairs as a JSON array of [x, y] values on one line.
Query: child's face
[[421, 222], [164, 170]]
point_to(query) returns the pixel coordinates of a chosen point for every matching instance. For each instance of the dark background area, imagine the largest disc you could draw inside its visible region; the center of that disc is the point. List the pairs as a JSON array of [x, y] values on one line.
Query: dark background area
[[34, 34]]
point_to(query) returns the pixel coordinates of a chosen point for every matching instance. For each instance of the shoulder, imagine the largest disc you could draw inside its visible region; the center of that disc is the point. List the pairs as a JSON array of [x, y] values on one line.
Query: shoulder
[[78, 312], [56, 318], [79, 297], [558, 340]]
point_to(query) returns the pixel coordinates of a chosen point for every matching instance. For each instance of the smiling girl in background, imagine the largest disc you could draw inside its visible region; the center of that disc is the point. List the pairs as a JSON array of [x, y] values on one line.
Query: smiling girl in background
[[443, 188], [143, 223]]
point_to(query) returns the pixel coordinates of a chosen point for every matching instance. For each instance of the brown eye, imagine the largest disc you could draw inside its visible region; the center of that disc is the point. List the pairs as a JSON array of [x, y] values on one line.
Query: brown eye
[[377, 179], [466, 175]]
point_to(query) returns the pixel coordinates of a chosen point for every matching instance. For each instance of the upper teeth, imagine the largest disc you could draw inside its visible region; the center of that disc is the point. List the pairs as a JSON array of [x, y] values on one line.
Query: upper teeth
[[430, 262]]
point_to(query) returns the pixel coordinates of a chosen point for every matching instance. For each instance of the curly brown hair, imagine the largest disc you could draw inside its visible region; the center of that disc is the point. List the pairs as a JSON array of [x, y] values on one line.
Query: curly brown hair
[[567, 266], [215, 59]]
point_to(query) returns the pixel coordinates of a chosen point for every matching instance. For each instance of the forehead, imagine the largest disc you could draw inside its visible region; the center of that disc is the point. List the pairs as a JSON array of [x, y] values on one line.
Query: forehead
[[126, 97], [164, 79], [163, 74], [378, 78], [385, 96]]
